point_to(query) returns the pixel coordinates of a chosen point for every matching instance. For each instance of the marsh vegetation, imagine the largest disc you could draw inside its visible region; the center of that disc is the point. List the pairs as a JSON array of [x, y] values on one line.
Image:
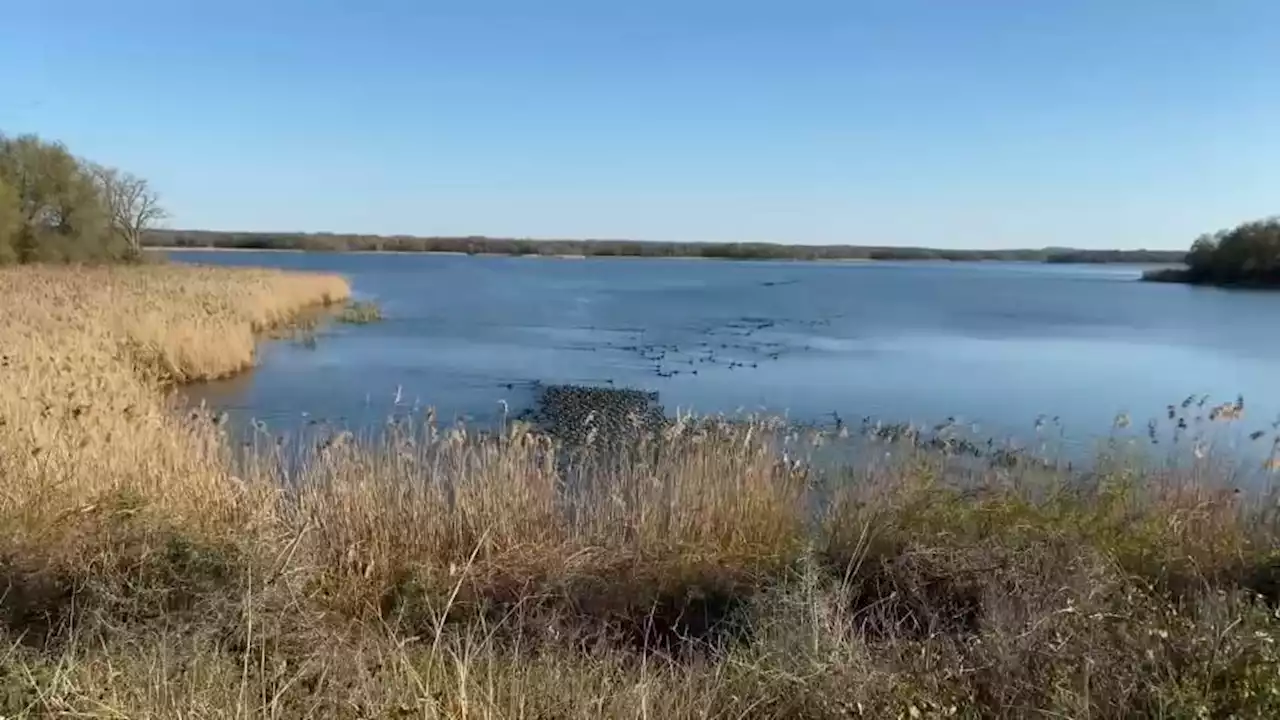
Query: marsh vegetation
[[150, 569], [359, 312]]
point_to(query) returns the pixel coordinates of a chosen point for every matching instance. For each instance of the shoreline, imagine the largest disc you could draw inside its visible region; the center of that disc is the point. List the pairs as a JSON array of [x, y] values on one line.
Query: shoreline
[[570, 248], [1182, 276], [536, 256]]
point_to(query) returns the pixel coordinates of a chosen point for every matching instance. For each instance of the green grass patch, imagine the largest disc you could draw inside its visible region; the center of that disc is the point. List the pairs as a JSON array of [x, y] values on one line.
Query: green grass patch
[[360, 312]]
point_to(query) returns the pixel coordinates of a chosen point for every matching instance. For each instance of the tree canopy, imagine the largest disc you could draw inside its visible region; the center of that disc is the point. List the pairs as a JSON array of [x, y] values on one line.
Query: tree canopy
[[56, 207], [1248, 254]]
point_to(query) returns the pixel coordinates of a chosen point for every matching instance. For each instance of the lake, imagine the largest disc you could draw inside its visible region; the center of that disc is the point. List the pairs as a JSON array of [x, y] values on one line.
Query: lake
[[1011, 350]]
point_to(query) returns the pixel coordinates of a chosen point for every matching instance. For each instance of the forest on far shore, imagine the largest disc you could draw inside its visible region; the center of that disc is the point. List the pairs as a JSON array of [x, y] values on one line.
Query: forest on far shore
[[478, 245]]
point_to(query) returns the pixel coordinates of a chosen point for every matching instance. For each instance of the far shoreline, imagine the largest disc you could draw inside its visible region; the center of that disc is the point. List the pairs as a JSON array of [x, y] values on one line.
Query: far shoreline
[[700, 258], [457, 253], [568, 248]]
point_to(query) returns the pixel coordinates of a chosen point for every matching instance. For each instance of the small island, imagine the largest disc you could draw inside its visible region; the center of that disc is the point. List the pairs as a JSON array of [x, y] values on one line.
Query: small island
[[1247, 255]]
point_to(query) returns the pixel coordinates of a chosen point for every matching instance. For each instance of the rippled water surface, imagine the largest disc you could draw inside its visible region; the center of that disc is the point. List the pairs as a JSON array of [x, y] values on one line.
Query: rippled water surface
[[996, 345]]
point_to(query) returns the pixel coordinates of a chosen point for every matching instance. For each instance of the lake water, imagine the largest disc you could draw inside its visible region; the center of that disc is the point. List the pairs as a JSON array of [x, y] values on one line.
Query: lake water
[[992, 344]]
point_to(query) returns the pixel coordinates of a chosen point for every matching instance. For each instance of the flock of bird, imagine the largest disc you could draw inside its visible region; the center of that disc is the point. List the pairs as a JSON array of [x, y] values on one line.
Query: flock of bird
[[735, 345], [595, 416]]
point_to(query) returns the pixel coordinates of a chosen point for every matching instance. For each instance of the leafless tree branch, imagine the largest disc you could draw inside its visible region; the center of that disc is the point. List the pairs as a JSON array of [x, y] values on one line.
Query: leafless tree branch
[[132, 205]]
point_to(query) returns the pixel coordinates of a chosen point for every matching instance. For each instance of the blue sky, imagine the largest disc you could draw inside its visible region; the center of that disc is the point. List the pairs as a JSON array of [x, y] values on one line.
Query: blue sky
[[996, 123]]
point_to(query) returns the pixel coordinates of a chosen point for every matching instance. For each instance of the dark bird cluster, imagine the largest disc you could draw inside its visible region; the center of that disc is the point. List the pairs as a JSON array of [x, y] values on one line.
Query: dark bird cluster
[[602, 417], [735, 344]]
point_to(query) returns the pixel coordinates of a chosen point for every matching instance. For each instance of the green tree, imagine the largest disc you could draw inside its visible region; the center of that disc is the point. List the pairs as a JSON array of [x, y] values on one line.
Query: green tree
[[1202, 251], [55, 207], [10, 223], [1247, 254]]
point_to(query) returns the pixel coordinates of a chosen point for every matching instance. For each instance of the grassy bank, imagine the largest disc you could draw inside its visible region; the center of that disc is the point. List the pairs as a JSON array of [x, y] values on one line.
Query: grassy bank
[[147, 571]]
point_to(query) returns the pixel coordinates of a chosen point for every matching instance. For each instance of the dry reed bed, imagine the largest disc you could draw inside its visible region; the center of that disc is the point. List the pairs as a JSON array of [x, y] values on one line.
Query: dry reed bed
[[434, 572], [84, 357]]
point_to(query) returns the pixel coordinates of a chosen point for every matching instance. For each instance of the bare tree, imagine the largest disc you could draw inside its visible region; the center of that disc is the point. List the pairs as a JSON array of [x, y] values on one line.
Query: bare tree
[[132, 205]]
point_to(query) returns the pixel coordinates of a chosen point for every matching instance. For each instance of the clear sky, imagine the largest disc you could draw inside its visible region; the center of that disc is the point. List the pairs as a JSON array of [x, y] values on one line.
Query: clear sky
[[951, 123]]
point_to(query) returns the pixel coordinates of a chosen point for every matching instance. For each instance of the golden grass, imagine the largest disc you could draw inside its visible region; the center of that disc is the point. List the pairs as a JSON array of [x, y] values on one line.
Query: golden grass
[[146, 571], [85, 355]]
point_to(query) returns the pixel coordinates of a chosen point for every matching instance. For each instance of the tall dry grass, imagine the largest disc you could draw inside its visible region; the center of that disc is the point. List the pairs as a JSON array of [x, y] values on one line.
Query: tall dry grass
[[85, 357], [430, 572]]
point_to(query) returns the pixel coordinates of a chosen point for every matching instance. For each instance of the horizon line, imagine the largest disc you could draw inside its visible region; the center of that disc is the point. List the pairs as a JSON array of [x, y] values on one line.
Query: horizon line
[[696, 243]]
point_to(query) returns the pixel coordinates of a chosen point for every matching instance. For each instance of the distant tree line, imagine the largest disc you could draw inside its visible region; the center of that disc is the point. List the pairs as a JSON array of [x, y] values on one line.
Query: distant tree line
[[1140, 257], [475, 245], [1248, 254], [56, 207]]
